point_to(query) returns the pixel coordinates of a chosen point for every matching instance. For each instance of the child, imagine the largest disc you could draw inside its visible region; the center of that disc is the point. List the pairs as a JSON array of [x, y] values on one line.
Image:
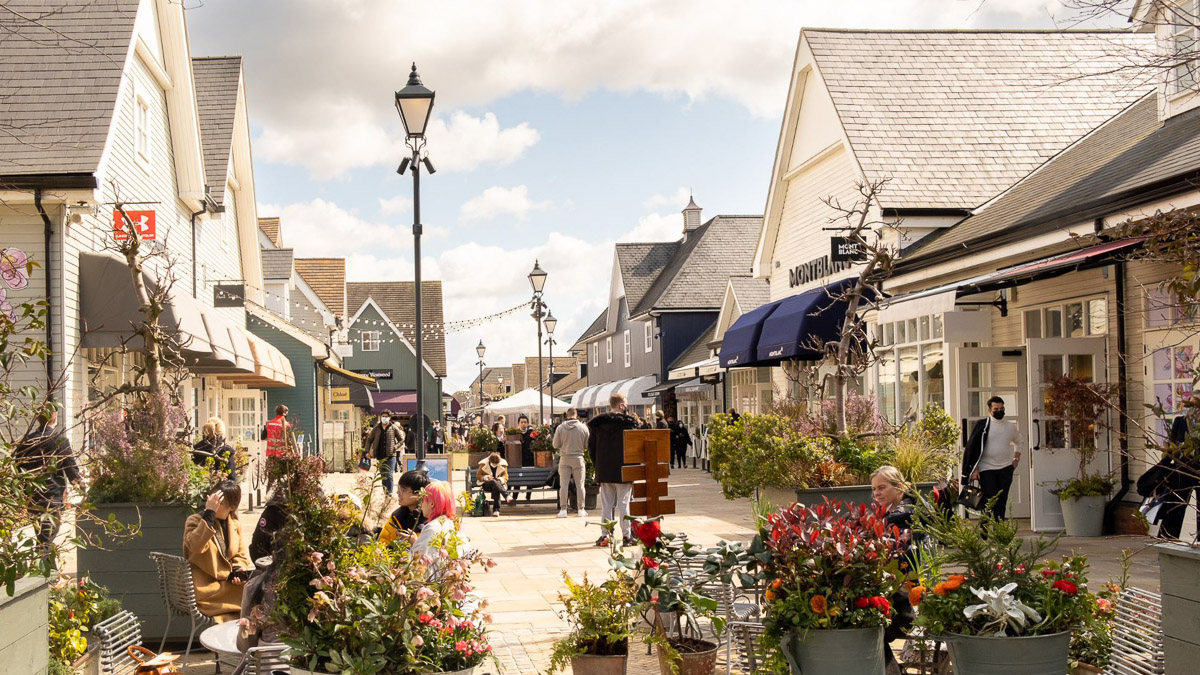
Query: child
[[407, 520]]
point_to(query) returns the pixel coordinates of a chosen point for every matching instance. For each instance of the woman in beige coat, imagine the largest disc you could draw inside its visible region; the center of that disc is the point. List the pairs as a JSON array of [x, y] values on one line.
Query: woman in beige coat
[[212, 543], [492, 477]]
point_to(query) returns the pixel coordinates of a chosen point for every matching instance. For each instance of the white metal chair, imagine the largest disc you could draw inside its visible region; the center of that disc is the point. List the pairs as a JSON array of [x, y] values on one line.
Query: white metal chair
[[175, 580], [1137, 635], [264, 660], [116, 634]]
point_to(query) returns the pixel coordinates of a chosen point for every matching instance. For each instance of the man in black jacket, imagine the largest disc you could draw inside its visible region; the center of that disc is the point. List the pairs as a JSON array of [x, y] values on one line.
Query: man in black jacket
[[47, 453], [680, 440], [606, 446], [991, 456]]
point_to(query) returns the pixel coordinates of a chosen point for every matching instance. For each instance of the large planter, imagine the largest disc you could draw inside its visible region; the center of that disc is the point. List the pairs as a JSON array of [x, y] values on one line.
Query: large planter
[[850, 494], [835, 652], [459, 461], [588, 664], [24, 628], [1179, 568], [543, 459], [591, 493], [474, 458], [703, 662], [125, 567], [1084, 516], [987, 655], [512, 450]]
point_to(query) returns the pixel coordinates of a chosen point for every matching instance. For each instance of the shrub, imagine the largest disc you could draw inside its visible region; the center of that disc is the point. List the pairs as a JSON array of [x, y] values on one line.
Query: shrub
[[601, 618], [481, 439]]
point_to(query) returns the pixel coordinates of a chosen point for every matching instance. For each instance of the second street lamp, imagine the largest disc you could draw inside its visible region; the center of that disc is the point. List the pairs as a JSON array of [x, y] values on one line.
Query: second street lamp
[[480, 350], [551, 322], [414, 103], [537, 279]]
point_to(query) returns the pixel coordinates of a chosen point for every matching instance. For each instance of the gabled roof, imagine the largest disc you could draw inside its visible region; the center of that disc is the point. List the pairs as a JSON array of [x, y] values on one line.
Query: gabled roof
[[956, 117], [218, 79], [699, 350], [397, 300], [277, 263], [1131, 160], [750, 292], [327, 278], [699, 270], [596, 328], [270, 227], [640, 264], [60, 71]]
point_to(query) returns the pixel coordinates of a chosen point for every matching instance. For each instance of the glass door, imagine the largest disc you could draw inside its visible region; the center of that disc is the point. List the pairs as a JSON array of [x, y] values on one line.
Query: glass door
[[1053, 439], [982, 374]]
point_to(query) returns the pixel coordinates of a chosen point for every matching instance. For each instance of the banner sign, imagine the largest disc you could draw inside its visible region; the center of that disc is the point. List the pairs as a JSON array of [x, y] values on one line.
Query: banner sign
[[143, 223], [842, 249], [229, 295], [339, 394], [377, 374]]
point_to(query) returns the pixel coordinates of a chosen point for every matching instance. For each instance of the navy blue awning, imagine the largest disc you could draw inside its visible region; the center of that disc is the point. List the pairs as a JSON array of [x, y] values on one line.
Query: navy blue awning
[[738, 344], [802, 325]]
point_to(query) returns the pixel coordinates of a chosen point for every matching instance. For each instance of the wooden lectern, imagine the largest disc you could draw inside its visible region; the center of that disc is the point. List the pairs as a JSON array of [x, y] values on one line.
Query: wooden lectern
[[647, 463]]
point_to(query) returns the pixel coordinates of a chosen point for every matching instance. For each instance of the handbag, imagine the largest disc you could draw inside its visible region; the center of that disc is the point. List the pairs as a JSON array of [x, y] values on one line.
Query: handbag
[[971, 496], [364, 463], [149, 663]]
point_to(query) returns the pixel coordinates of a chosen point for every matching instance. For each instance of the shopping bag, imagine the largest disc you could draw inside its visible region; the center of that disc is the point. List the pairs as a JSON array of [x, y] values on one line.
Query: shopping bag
[[149, 663], [971, 497], [364, 463]]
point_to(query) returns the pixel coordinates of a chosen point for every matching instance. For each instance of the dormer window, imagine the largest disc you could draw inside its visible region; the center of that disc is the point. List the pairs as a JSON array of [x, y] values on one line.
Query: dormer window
[[1185, 39]]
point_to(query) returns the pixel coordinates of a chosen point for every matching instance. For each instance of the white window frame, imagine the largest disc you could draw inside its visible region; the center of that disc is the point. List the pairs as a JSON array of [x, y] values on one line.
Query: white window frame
[[1185, 39], [608, 349], [628, 349], [370, 340], [649, 336], [141, 129], [595, 353], [921, 333], [1061, 306]]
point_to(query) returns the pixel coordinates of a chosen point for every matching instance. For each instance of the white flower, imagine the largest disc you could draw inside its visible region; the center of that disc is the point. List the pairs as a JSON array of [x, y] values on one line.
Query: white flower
[[1001, 609]]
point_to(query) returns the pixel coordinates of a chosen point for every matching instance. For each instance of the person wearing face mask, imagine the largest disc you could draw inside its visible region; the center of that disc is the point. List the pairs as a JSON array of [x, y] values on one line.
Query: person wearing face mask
[[385, 443], [46, 451], [991, 456], [212, 544]]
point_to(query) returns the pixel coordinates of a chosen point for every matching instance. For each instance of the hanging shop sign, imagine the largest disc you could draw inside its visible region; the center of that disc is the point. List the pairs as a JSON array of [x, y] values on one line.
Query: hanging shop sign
[[377, 374], [843, 249], [812, 270], [229, 295], [143, 223], [339, 394]]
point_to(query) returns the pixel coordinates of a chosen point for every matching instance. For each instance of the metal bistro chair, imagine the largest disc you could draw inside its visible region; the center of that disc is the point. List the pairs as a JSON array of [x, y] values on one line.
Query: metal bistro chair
[[264, 660], [1137, 635], [116, 634], [175, 580]]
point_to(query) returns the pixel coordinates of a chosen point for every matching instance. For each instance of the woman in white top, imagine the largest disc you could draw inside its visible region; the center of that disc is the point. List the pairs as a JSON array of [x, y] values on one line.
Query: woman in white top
[[437, 503]]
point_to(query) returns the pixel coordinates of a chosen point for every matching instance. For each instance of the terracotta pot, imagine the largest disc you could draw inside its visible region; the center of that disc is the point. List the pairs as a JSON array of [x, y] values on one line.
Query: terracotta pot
[[1085, 669], [587, 664], [703, 662], [89, 663]]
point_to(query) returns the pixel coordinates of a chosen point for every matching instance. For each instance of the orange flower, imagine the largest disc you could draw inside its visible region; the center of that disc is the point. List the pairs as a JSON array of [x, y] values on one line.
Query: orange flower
[[940, 589], [818, 604], [776, 584], [954, 581], [769, 595], [915, 595]]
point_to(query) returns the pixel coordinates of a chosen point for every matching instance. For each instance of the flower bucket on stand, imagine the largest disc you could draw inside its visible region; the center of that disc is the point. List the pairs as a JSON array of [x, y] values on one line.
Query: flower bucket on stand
[[1008, 655], [834, 652], [700, 662]]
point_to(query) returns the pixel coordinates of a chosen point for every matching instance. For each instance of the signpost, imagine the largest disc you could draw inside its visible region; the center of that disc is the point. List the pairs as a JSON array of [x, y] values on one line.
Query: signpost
[[843, 250], [647, 463], [229, 295], [143, 223], [339, 394]]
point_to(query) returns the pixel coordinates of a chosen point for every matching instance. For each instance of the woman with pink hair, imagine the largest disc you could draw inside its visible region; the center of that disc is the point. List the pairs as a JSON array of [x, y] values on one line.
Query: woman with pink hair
[[437, 503]]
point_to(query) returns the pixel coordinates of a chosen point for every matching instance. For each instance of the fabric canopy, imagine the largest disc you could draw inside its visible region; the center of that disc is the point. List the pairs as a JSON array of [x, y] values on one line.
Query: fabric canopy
[[739, 342], [634, 389], [399, 402], [659, 389], [525, 401], [802, 324]]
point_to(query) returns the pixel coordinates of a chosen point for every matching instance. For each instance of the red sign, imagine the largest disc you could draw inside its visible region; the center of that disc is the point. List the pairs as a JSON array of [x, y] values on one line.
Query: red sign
[[143, 222]]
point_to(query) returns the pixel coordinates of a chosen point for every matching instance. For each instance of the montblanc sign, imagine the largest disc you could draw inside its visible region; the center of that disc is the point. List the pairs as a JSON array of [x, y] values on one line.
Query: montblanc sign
[[845, 249], [813, 270]]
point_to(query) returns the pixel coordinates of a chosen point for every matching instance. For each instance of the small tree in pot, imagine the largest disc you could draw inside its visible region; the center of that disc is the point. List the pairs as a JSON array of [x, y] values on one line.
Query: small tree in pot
[[1083, 405], [601, 618]]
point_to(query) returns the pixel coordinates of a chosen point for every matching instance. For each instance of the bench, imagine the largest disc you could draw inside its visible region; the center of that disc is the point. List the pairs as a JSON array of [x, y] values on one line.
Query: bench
[[531, 477]]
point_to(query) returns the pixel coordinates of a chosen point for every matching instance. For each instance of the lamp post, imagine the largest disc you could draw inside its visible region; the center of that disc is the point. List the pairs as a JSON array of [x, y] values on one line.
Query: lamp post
[[551, 322], [414, 103], [537, 279], [480, 350]]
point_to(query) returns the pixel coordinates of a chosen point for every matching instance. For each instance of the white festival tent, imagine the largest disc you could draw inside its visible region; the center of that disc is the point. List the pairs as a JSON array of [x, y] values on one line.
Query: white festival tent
[[526, 401]]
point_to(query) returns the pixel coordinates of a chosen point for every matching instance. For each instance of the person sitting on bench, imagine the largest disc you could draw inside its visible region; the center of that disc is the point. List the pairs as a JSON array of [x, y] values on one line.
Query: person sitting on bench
[[492, 477]]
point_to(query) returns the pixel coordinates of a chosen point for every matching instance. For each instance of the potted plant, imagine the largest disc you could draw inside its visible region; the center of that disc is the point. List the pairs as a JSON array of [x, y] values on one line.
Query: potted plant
[[829, 571], [602, 618], [543, 446], [480, 443], [459, 454], [76, 606], [671, 597], [1005, 603], [1082, 405]]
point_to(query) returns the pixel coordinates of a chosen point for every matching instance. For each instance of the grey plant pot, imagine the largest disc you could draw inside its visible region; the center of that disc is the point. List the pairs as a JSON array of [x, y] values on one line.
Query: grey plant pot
[[835, 652], [987, 655], [1084, 516], [850, 494], [125, 567], [24, 628]]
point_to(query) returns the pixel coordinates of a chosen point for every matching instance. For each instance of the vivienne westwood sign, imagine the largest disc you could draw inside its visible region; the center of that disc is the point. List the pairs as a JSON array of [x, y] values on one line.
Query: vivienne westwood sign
[[812, 270]]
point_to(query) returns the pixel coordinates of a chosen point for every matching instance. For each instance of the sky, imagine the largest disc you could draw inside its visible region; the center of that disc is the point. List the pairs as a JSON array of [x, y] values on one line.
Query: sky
[[559, 128]]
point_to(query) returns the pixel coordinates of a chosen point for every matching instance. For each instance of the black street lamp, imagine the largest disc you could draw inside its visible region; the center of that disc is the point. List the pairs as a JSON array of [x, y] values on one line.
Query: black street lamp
[[414, 103], [537, 279], [480, 350], [551, 322]]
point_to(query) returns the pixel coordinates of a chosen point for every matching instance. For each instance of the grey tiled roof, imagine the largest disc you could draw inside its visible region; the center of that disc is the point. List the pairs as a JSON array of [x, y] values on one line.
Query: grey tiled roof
[[956, 117], [750, 292], [699, 350], [60, 69], [217, 80], [698, 274], [277, 263], [1132, 159], [396, 299], [641, 264]]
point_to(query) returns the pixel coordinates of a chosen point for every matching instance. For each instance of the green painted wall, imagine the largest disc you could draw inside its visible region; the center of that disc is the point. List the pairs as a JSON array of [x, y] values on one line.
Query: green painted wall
[[398, 358], [301, 399]]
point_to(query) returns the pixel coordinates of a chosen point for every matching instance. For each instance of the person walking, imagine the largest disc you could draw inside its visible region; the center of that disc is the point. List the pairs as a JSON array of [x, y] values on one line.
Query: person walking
[[991, 456], [384, 443], [46, 452], [606, 446], [571, 440], [680, 440], [439, 440], [280, 437], [660, 420]]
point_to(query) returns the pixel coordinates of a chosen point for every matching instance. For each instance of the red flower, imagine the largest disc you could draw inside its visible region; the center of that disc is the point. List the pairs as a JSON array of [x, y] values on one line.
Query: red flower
[[861, 603], [881, 603], [648, 532], [533, 434], [649, 562], [1065, 586]]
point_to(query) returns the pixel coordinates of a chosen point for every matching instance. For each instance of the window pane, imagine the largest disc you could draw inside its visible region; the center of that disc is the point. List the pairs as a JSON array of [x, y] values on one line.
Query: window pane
[[931, 358], [924, 323], [909, 382], [1033, 323], [887, 386], [910, 331], [1053, 323], [1158, 309], [1081, 366], [936, 331], [1098, 317], [1074, 319]]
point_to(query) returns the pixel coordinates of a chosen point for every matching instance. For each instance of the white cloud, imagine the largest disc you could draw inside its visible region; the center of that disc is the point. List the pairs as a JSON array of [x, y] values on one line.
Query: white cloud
[[677, 199], [320, 228], [498, 201], [390, 207], [468, 142], [656, 227]]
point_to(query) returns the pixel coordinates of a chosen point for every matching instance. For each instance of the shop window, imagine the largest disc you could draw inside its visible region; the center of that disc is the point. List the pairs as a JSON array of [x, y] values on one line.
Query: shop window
[[370, 340], [910, 370], [1165, 311], [625, 344], [1078, 318]]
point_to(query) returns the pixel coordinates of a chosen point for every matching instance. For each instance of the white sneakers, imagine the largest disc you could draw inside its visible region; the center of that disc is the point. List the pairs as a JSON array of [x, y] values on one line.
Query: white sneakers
[[582, 513], [562, 514]]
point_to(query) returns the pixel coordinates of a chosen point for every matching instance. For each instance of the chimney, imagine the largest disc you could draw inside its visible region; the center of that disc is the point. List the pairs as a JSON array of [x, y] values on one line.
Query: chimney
[[691, 217]]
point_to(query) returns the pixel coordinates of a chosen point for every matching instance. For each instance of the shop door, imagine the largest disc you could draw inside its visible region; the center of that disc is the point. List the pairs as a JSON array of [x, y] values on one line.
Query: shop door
[[1053, 460], [982, 374], [244, 418]]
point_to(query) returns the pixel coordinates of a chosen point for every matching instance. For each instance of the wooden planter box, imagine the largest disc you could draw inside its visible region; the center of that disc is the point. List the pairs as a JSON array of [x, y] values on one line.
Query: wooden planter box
[[852, 494], [24, 628], [1179, 568], [543, 459], [125, 567], [512, 450], [459, 460]]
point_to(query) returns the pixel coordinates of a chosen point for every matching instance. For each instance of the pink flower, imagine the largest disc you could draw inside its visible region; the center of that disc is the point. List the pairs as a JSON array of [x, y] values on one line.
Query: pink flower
[[13, 268], [417, 641], [424, 593], [458, 595]]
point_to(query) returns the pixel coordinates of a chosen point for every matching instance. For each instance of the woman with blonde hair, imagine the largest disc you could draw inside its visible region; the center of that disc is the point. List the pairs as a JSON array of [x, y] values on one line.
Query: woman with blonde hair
[[213, 451], [891, 491]]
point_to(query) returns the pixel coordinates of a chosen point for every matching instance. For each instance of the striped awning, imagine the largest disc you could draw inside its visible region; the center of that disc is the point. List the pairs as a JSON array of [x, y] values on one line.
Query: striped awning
[[634, 389]]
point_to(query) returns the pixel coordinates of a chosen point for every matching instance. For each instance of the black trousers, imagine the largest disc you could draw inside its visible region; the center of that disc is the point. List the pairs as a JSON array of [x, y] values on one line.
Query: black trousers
[[497, 490], [48, 508], [1172, 513], [995, 483]]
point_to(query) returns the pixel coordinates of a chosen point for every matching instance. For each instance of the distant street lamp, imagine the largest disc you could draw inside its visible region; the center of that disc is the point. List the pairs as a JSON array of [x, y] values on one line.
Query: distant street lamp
[[537, 279], [414, 103], [551, 322], [480, 350]]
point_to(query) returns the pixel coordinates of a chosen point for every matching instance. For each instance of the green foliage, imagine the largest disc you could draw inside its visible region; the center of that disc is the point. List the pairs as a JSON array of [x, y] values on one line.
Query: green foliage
[[1091, 485], [926, 451], [1083, 405], [601, 618], [481, 439], [75, 606], [543, 438]]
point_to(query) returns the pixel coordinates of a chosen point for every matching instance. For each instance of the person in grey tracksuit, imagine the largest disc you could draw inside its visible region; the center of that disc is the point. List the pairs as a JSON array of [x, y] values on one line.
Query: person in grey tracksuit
[[571, 441]]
